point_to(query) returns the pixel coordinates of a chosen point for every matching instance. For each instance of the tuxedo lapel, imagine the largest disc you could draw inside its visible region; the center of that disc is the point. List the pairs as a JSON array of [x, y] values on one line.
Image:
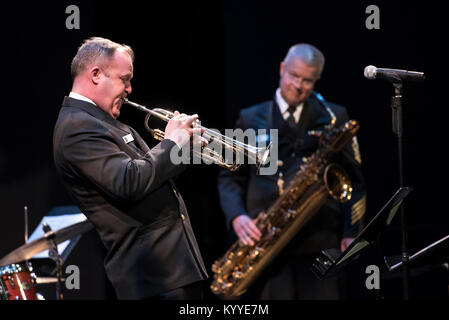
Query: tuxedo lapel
[[136, 143], [263, 116], [139, 141], [307, 117], [94, 111], [316, 116], [312, 116]]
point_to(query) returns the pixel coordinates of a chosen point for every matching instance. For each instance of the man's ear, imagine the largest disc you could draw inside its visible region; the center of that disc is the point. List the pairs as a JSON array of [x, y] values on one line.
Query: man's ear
[[281, 68], [95, 74]]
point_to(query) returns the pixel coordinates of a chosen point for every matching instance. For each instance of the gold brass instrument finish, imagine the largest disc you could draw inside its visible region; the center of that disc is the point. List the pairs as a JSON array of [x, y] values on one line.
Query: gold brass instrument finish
[[259, 156], [305, 195]]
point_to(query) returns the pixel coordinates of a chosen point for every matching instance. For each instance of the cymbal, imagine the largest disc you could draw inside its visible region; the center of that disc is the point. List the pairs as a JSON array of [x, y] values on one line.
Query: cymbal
[[29, 250]]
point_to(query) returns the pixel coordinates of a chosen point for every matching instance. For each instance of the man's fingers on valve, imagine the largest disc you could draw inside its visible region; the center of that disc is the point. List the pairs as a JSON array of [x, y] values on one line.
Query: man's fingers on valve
[[198, 140], [178, 117], [190, 119], [184, 120]]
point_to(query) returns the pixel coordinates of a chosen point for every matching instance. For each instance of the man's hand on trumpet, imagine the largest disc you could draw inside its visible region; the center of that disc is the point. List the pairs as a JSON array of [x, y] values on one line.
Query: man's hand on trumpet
[[179, 128], [197, 138]]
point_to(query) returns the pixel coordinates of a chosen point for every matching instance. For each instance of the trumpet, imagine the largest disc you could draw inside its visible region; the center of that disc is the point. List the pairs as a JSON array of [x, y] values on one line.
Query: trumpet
[[258, 155]]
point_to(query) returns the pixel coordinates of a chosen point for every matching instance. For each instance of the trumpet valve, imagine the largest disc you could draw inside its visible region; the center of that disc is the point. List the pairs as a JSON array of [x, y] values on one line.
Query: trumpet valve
[[158, 134]]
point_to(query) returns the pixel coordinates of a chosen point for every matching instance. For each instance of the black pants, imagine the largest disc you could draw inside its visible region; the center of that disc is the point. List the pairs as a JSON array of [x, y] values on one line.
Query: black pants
[[193, 291], [291, 279]]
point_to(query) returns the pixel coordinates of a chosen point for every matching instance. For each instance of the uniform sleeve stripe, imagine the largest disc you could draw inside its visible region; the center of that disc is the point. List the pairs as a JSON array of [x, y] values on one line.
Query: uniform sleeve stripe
[[358, 210]]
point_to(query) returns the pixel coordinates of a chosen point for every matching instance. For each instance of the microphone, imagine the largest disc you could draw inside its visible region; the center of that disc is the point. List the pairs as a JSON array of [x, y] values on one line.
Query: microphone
[[393, 75]]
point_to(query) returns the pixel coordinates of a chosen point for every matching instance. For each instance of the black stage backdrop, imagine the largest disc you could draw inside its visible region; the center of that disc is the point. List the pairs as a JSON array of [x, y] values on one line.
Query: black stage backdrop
[[214, 58]]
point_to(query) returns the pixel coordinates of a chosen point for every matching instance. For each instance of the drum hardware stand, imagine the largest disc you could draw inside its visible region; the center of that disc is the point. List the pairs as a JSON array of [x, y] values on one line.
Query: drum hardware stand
[[25, 209], [26, 215], [54, 255]]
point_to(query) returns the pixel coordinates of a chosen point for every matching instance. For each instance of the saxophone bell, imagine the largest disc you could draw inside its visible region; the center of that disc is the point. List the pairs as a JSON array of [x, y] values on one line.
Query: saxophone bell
[[338, 183]]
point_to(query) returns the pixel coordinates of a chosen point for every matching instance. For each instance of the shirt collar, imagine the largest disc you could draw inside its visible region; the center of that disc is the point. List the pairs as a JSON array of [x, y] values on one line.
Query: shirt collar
[[78, 96], [283, 106]]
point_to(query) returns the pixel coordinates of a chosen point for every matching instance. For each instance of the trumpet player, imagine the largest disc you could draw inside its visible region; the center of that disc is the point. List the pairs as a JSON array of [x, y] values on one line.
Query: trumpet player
[[123, 187]]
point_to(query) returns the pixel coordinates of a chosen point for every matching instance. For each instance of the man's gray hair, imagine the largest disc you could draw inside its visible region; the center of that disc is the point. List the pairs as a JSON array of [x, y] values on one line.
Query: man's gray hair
[[308, 54], [94, 49]]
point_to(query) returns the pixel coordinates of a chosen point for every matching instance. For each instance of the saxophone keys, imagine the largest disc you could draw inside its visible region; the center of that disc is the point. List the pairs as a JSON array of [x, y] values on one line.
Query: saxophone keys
[[216, 268], [236, 274], [280, 183], [255, 252]]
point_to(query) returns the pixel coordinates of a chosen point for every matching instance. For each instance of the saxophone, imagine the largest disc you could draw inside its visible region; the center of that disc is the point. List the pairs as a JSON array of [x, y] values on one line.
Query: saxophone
[[306, 193]]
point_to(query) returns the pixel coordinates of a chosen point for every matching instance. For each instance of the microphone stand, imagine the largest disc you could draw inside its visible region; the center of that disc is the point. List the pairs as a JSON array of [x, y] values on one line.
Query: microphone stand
[[396, 106], [54, 255]]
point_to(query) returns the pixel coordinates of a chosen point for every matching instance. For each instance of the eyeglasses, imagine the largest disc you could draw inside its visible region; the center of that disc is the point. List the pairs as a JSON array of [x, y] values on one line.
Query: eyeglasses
[[298, 79]]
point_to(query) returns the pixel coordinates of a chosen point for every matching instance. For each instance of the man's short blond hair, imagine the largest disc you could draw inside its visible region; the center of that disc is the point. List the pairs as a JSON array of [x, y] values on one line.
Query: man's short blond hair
[[93, 50]]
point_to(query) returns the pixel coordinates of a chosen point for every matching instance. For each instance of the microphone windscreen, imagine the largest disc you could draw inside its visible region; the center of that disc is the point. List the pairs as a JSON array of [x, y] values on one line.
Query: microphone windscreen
[[370, 72]]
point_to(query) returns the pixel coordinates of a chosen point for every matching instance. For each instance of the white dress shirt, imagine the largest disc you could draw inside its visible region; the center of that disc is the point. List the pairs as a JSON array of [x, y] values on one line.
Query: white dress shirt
[[283, 106], [77, 96]]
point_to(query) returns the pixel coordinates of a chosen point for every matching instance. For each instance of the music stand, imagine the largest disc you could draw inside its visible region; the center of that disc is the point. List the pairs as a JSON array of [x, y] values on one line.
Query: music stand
[[435, 253], [57, 219], [332, 261]]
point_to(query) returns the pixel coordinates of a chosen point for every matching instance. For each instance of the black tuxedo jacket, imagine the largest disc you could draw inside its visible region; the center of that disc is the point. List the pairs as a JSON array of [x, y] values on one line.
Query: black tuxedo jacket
[[125, 190], [246, 192]]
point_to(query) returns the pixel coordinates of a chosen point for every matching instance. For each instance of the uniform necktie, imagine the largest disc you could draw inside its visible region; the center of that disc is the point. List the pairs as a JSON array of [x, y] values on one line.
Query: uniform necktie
[[291, 119]]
